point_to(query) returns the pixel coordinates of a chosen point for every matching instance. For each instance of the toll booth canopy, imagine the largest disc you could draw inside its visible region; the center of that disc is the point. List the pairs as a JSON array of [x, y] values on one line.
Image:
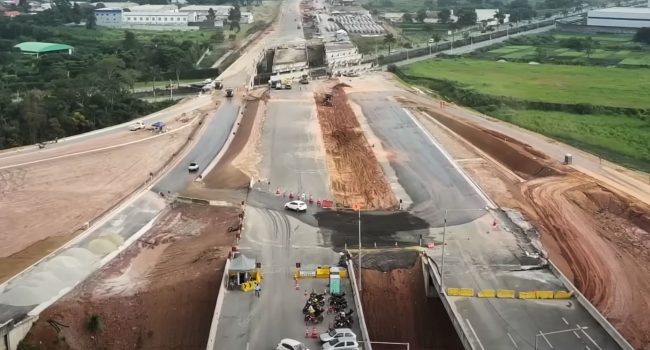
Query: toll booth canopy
[[242, 269]]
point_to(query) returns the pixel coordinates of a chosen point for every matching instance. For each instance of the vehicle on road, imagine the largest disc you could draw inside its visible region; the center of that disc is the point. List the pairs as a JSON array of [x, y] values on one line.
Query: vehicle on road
[[297, 206], [290, 344], [230, 92], [193, 167], [351, 74], [137, 126], [298, 27], [304, 79], [337, 333], [341, 344]]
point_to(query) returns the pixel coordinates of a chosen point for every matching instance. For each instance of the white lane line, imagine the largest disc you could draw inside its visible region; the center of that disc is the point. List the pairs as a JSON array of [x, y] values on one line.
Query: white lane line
[[547, 342], [512, 340], [587, 347], [565, 321], [576, 334], [582, 329], [94, 150], [474, 333]]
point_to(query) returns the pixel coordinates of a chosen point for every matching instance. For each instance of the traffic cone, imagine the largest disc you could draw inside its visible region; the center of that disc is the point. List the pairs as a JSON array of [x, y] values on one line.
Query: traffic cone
[[314, 333], [318, 203], [290, 195], [307, 333], [277, 191]]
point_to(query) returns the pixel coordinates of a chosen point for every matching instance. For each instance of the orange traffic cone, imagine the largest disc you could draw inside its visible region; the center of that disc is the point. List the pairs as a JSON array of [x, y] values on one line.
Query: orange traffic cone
[[314, 334]]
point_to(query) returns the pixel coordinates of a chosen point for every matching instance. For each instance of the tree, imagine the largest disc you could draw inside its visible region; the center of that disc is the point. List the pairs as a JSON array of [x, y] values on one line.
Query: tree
[[23, 5], [421, 15], [129, 42], [444, 16], [520, 10], [91, 21], [541, 53], [500, 16], [407, 18], [588, 46], [466, 17], [34, 113], [389, 39], [234, 16], [76, 13], [211, 16], [642, 35]]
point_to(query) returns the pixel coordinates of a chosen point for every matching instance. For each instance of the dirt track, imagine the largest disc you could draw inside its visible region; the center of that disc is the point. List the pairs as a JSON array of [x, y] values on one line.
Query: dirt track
[[422, 321], [355, 174], [158, 294], [597, 236]]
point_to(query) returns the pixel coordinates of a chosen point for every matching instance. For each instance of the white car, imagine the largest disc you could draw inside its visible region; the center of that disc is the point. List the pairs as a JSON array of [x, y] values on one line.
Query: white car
[[341, 344], [290, 344], [296, 206], [193, 167], [337, 333], [137, 126]]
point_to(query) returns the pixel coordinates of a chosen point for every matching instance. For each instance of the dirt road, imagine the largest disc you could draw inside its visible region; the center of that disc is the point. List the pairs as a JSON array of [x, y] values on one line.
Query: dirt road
[[355, 174], [158, 294]]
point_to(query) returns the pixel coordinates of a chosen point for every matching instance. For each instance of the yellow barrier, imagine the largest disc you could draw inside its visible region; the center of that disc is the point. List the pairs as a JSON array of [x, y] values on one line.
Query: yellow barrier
[[527, 295], [323, 273], [487, 293], [561, 294], [453, 292], [505, 293], [467, 292], [544, 294], [248, 286], [343, 273]]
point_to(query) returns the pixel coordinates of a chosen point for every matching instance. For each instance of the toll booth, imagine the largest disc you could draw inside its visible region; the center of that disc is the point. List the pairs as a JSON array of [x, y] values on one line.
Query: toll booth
[[244, 273], [335, 281]]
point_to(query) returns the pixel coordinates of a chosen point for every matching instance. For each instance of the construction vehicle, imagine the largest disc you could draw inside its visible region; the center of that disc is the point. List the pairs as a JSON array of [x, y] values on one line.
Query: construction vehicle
[[218, 84], [304, 79], [328, 100], [230, 92]]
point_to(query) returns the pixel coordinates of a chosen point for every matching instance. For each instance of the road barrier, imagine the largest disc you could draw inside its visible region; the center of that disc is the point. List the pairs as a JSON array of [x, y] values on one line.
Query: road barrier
[[487, 293], [509, 293], [318, 272], [505, 294]]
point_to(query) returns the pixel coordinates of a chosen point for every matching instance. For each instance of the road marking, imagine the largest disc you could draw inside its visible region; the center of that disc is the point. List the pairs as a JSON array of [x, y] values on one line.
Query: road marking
[[576, 334], [587, 347], [512, 340], [547, 342], [565, 321], [474, 333], [582, 329]]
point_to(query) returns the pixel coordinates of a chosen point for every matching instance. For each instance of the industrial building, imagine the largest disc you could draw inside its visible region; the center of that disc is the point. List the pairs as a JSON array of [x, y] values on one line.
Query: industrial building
[[622, 17], [341, 54], [38, 48], [172, 19], [109, 17], [220, 12]]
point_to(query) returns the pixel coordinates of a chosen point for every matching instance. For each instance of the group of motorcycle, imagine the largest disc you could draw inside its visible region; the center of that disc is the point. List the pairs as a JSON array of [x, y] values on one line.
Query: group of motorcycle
[[315, 308]]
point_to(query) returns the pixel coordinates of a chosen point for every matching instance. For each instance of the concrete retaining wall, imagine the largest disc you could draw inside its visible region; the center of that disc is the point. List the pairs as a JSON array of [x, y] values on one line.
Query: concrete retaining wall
[[613, 332], [18, 331], [217, 308], [359, 306]]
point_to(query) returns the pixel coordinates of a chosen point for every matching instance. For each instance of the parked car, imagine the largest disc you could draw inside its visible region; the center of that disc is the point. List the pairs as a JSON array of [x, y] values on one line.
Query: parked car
[[297, 206], [193, 167], [137, 126], [341, 344], [290, 344], [337, 333]]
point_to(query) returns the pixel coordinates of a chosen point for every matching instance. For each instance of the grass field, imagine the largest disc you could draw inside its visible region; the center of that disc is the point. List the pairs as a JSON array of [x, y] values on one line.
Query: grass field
[[619, 87], [625, 140]]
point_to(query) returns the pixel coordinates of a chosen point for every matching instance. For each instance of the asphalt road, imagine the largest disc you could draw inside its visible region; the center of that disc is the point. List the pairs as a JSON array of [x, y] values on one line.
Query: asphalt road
[[478, 255], [421, 168]]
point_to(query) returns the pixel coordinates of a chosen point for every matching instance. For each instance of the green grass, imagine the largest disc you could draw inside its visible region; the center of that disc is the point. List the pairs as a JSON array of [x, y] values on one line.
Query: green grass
[[551, 83], [637, 61], [511, 49], [622, 139]]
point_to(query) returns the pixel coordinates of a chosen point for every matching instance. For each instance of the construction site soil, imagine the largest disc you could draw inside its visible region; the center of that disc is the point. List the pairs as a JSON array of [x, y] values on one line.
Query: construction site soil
[[389, 279], [39, 201], [157, 294], [597, 236], [382, 229], [355, 175]]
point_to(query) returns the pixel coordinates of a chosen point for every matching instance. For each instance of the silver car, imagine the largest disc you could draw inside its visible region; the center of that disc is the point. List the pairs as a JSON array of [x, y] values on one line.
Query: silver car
[[337, 333], [341, 344]]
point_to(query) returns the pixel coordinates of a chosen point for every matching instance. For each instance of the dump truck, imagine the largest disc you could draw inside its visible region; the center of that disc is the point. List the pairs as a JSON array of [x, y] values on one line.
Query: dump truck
[[230, 92]]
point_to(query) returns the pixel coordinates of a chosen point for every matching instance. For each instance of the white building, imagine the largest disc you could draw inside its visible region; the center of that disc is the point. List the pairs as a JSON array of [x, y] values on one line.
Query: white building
[[220, 12], [341, 54], [487, 15], [154, 8], [627, 17], [109, 17], [116, 5], [171, 19]]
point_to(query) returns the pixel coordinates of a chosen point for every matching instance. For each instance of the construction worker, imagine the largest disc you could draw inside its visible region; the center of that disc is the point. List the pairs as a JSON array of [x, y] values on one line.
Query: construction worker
[[258, 288]]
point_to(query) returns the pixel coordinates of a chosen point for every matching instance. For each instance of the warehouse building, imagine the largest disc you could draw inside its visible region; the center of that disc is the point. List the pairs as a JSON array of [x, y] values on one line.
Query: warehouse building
[[622, 17], [38, 48], [109, 17]]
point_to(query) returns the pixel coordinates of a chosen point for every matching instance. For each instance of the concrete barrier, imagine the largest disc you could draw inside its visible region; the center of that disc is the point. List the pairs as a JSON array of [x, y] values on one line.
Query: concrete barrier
[[527, 295], [453, 292], [358, 305], [17, 332], [544, 294], [505, 293], [487, 293], [466, 292], [212, 337], [613, 332]]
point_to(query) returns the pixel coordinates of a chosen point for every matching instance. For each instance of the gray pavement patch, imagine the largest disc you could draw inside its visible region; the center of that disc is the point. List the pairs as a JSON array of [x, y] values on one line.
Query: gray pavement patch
[[386, 260]]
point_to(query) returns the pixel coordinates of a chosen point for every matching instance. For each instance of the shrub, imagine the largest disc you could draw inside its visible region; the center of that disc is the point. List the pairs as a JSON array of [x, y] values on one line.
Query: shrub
[[94, 323]]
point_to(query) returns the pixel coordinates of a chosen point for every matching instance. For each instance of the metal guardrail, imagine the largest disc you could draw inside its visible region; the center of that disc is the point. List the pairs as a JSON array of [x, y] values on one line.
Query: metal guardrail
[[359, 306]]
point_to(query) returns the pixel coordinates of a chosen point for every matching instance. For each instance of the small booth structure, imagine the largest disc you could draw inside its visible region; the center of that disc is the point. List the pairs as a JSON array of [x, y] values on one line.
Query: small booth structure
[[335, 281], [244, 272], [159, 127]]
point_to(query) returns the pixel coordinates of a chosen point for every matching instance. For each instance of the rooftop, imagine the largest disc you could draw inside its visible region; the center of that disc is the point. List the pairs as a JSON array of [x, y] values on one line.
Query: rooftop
[[206, 8], [339, 46], [37, 47], [639, 10], [289, 55]]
